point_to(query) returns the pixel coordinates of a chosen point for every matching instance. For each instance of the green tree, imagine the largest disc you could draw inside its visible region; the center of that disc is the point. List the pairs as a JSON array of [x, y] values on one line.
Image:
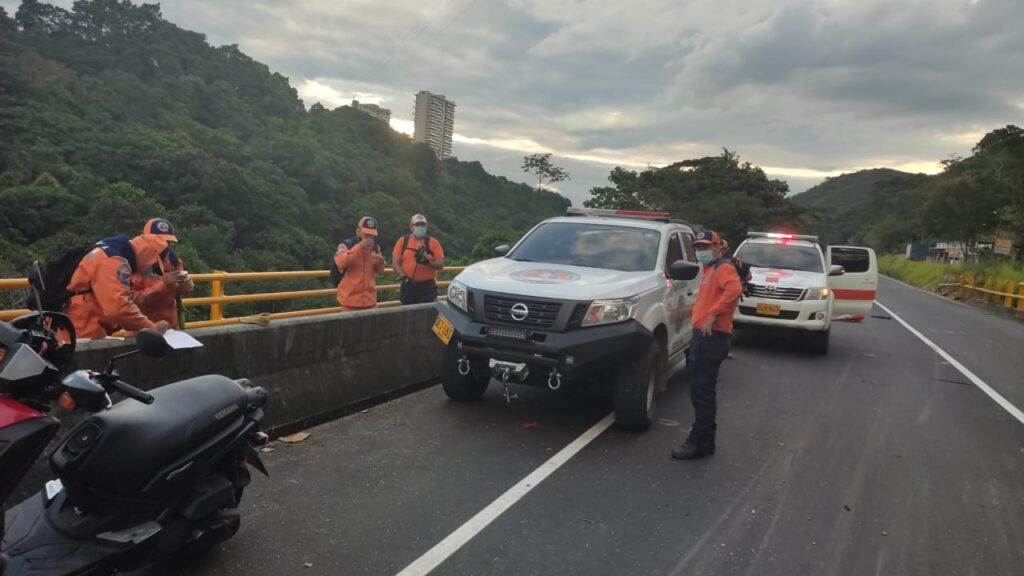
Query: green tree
[[547, 173]]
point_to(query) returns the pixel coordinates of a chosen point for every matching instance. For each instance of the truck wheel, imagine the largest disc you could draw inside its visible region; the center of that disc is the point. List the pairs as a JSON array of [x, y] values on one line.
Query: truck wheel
[[817, 342], [458, 387], [636, 385]]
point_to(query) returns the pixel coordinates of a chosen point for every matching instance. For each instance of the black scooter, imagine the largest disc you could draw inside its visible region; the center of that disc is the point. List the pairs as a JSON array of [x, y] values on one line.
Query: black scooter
[[154, 475]]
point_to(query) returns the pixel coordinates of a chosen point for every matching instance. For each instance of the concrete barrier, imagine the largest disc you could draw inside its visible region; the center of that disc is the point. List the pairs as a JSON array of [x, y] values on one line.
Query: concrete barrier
[[314, 368]]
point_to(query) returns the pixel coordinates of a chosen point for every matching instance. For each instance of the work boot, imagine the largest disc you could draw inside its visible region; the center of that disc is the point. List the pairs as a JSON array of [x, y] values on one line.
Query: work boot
[[690, 452]]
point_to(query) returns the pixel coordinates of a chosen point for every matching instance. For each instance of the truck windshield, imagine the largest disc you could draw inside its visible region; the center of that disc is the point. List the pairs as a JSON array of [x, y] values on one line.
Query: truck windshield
[[784, 256], [593, 245]]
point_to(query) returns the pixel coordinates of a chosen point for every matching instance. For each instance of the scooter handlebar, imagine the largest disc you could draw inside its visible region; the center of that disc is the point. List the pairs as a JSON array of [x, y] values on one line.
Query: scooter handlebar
[[133, 392]]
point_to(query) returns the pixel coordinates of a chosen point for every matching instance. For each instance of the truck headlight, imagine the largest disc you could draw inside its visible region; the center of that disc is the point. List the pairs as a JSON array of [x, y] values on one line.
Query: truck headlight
[[816, 294], [457, 296], [610, 311]]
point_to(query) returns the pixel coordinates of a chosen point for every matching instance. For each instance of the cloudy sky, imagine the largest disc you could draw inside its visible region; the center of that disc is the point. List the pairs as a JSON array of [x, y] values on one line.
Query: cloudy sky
[[805, 89]]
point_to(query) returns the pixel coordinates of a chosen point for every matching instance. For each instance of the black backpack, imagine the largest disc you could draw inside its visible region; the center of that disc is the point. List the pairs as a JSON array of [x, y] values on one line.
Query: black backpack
[[742, 270], [337, 275], [57, 273]]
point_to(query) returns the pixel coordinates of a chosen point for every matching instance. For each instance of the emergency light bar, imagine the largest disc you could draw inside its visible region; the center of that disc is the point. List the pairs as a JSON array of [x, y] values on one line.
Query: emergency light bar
[[602, 213], [782, 236]]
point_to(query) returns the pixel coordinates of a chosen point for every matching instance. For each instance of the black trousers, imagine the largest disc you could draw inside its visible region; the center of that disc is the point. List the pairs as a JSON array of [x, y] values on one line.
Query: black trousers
[[418, 292], [706, 356]]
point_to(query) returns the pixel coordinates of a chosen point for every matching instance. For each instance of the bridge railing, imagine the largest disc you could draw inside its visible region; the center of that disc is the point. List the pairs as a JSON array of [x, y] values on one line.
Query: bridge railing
[[218, 299], [991, 290]]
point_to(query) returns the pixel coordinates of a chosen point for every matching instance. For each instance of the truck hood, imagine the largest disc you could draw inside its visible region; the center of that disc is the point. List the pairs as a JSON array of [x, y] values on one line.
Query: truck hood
[[793, 278], [507, 276]]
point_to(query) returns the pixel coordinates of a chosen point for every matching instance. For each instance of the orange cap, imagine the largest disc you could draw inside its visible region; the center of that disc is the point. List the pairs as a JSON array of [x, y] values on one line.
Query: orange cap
[[368, 226]]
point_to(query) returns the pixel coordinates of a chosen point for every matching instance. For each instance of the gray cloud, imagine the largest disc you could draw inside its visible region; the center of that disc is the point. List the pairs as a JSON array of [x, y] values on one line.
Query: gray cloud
[[804, 88]]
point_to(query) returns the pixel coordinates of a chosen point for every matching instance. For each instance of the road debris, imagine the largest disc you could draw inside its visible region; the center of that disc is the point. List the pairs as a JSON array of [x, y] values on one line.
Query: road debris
[[294, 438], [529, 425]]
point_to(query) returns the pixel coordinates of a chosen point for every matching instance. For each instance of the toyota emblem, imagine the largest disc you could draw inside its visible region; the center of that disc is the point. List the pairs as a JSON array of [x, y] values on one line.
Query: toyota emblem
[[519, 312], [769, 289]]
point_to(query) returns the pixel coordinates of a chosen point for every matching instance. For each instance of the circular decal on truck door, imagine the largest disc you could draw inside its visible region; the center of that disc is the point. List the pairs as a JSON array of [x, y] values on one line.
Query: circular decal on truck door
[[545, 276]]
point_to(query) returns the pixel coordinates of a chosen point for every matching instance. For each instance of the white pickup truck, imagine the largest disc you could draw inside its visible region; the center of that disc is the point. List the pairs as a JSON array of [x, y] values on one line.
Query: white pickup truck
[[792, 286], [584, 300]]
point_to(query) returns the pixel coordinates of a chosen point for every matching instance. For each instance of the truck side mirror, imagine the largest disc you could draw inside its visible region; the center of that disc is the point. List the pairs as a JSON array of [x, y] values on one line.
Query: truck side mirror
[[683, 270], [502, 250], [836, 270]]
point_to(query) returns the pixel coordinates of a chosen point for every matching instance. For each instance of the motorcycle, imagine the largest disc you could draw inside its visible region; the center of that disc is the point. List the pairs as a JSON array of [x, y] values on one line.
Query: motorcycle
[[155, 475]]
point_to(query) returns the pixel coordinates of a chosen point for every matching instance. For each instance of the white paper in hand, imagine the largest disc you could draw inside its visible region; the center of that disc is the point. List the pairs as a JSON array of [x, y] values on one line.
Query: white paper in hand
[[177, 340]]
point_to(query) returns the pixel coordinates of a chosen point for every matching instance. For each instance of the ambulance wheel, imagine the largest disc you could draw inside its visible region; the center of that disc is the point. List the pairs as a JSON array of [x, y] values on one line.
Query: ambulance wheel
[[636, 386], [462, 386]]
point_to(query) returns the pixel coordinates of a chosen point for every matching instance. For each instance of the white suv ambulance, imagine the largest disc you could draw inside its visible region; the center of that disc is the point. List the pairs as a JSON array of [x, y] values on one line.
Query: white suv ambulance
[[593, 298], [794, 285]]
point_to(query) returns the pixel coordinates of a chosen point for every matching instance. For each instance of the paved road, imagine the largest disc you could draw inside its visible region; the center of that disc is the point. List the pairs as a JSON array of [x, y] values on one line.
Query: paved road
[[878, 459]]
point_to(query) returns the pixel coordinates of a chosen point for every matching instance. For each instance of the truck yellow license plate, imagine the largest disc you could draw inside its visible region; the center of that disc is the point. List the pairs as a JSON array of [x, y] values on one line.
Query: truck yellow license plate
[[766, 309], [443, 328]]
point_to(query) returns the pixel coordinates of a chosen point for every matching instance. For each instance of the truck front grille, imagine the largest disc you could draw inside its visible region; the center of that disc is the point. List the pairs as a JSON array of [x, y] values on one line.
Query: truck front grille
[[538, 315], [774, 292]]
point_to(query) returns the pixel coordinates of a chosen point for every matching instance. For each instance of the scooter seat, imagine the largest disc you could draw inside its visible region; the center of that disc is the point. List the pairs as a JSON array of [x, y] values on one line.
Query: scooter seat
[[119, 450]]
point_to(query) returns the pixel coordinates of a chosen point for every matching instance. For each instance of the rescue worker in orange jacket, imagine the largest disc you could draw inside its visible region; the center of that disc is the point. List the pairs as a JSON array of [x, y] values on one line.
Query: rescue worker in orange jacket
[[360, 259], [719, 294], [156, 289], [101, 301]]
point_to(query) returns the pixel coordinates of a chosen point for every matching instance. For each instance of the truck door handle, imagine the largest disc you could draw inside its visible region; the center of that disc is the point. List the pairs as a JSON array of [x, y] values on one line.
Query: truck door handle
[[689, 292]]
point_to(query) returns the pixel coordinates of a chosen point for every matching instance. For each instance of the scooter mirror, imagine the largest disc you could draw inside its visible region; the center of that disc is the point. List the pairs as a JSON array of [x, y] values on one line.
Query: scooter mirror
[[35, 280], [151, 343]]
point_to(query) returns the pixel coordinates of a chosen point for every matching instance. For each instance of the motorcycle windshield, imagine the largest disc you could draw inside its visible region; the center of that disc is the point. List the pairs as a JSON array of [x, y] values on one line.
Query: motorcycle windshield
[[22, 362]]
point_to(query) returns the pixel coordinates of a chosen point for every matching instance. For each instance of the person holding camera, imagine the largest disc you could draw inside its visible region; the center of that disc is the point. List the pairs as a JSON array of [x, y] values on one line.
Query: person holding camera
[[158, 290], [359, 260], [417, 258]]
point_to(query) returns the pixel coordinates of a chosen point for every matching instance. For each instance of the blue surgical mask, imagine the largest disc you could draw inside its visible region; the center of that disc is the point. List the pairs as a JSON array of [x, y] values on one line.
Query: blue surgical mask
[[419, 231], [705, 256]]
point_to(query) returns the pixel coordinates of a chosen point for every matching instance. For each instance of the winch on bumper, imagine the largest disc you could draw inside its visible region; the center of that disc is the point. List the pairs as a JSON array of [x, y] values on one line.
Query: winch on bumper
[[545, 357]]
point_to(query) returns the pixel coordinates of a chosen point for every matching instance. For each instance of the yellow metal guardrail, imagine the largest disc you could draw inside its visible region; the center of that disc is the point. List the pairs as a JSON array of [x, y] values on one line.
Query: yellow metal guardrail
[[218, 298], [990, 290]]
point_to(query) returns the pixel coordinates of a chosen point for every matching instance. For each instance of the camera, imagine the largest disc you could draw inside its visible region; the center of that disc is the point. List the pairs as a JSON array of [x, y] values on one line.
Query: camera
[[421, 255]]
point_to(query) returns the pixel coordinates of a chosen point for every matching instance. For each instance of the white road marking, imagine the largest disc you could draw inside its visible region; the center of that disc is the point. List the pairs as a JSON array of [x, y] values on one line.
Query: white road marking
[[457, 539], [1016, 413]]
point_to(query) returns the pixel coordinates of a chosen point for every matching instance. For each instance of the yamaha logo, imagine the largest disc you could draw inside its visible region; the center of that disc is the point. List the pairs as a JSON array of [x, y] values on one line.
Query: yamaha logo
[[519, 312]]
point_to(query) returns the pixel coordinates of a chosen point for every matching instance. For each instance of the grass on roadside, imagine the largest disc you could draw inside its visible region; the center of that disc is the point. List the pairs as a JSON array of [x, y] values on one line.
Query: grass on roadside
[[929, 275]]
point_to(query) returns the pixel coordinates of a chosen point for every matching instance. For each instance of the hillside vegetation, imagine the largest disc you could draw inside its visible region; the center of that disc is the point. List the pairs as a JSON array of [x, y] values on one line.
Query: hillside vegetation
[[111, 115]]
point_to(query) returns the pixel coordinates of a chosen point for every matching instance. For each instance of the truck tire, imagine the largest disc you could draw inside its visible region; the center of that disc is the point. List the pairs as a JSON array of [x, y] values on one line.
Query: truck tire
[[458, 387], [636, 386], [817, 342]]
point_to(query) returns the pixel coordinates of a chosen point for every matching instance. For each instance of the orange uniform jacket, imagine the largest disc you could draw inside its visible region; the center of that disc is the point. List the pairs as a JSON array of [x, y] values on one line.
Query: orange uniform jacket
[[102, 301], [358, 288], [157, 300], [718, 296], [407, 261]]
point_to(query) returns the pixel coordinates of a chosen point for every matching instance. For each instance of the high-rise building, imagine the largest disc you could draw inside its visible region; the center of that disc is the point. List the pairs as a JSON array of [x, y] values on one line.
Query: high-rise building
[[435, 122], [373, 110]]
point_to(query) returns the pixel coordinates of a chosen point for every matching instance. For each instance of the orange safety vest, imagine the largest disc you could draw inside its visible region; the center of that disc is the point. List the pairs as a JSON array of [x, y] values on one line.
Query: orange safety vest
[[358, 288], [407, 260], [157, 300], [718, 296]]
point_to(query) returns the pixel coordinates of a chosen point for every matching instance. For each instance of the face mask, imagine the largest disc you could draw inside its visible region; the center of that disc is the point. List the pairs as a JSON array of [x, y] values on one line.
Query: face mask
[[419, 231], [705, 256]]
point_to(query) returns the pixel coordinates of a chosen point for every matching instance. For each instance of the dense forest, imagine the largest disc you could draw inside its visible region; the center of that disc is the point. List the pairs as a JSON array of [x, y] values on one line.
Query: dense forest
[[111, 115]]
